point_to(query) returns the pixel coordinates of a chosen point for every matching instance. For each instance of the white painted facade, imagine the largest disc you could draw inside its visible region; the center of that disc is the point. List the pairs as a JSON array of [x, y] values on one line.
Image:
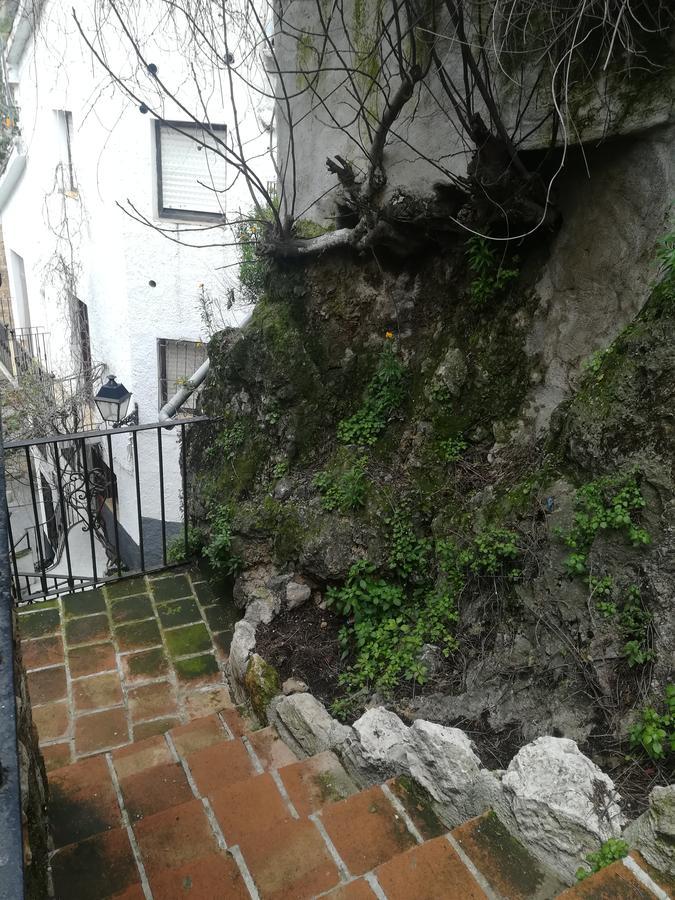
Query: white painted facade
[[139, 286]]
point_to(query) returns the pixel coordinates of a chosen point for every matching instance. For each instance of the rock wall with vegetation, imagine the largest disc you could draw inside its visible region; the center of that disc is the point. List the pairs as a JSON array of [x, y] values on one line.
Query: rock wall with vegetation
[[454, 475]]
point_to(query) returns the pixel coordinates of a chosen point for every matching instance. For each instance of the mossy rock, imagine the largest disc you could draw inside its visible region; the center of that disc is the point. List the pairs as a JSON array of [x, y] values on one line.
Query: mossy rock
[[262, 684]]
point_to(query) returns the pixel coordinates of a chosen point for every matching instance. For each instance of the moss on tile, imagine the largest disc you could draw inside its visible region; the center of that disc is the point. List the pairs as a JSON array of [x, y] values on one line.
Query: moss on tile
[[178, 612], [131, 609], [84, 603], [138, 634], [188, 640], [128, 587], [419, 806], [196, 667], [87, 630], [172, 587], [147, 663], [222, 617], [38, 624]]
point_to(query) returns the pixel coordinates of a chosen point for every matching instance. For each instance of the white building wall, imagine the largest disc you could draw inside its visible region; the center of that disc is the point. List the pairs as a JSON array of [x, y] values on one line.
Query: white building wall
[[115, 257]]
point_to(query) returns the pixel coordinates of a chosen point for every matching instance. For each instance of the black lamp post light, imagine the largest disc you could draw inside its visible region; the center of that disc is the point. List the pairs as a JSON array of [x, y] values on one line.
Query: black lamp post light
[[112, 401]]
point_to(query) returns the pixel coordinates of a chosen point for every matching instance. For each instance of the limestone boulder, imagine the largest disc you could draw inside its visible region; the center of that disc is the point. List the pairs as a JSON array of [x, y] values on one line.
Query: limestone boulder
[[653, 834], [559, 803], [306, 725]]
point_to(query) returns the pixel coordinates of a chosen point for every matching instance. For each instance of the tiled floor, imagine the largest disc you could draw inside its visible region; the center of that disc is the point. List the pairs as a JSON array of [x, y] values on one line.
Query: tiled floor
[[126, 661]]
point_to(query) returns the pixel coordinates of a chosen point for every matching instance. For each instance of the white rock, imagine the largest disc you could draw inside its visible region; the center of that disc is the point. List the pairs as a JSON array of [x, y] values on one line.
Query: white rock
[[653, 834], [384, 740], [294, 686], [243, 642], [297, 593], [306, 725], [559, 803]]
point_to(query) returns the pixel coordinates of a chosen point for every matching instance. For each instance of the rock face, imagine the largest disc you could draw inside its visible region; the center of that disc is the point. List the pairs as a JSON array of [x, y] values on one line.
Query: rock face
[[559, 803], [306, 725], [653, 834]]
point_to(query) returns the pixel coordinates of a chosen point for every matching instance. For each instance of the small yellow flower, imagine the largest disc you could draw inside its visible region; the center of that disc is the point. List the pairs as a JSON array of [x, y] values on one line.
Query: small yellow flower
[[389, 335]]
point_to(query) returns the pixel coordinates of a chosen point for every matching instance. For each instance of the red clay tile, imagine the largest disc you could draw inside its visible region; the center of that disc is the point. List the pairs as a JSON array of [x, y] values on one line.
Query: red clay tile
[[135, 892], [418, 805], [101, 730], [208, 878], [432, 871], [503, 861], [237, 723], [366, 830], [664, 881], [52, 720], [263, 805], [97, 692], [101, 866], [156, 726], [129, 760], [83, 801], [174, 837], [145, 665], [47, 685], [205, 702], [220, 764], [56, 755], [314, 782], [270, 749], [615, 882], [355, 890], [89, 630], [155, 789], [198, 734], [89, 660], [150, 701], [42, 652], [289, 861]]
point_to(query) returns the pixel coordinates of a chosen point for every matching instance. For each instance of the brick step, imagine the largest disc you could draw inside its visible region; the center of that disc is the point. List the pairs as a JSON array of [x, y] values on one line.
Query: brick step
[[215, 810]]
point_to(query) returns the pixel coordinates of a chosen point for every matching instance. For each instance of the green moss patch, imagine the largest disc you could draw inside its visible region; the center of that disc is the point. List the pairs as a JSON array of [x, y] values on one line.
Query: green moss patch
[[128, 587], [419, 806], [84, 604], [147, 663], [178, 612], [172, 588], [138, 634], [222, 617], [188, 640], [131, 609], [38, 624], [87, 630], [262, 684], [196, 667]]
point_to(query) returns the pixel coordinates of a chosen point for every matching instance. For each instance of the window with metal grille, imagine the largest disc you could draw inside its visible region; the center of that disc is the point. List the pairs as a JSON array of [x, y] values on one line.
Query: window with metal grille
[[177, 363], [191, 171]]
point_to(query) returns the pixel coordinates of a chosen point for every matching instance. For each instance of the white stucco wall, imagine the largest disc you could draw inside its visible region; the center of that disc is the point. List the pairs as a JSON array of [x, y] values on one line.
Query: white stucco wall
[[116, 257]]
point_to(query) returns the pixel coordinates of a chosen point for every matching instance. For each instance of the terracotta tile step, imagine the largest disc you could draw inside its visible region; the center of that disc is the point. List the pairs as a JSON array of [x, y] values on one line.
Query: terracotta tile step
[[616, 882], [509, 869]]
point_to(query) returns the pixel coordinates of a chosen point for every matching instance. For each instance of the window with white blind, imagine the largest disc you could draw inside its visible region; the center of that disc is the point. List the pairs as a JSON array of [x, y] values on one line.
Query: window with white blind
[[177, 363], [191, 175]]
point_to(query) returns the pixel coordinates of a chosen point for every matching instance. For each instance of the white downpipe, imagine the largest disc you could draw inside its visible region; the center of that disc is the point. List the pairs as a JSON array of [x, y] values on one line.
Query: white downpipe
[[171, 407]]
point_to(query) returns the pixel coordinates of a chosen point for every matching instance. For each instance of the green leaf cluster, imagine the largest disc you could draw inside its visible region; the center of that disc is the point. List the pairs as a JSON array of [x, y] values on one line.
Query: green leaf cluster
[[655, 732], [175, 551], [345, 489], [384, 394], [409, 554], [489, 276], [609, 502], [218, 551], [630, 615], [490, 553], [452, 449], [612, 850]]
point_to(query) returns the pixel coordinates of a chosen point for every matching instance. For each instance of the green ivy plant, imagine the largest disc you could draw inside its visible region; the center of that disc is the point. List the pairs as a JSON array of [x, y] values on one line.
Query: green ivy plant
[[655, 732], [488, 276], [409, 554], [384, 395], [610, 502], [612, 850], [490, 553], [218, 551], [343, 490], [452, 449], [175, 551]]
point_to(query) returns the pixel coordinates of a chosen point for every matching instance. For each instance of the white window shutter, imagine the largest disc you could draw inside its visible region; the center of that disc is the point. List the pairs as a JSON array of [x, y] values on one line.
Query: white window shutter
[[193, 176]]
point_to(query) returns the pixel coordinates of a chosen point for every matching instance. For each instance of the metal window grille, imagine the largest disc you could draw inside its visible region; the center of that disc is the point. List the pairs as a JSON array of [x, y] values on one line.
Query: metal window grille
[[191, 172], [177, 363]]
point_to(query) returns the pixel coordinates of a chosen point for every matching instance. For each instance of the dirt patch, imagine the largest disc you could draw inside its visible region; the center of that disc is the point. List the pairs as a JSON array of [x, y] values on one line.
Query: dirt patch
[[303, 643]]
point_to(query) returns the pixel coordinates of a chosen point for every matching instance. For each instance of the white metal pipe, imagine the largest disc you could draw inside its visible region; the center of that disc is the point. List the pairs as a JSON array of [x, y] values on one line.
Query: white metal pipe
[[171, 407]]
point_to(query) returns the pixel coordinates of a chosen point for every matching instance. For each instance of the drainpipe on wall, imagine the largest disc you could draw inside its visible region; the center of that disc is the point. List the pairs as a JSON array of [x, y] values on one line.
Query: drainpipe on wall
[[171, 407]]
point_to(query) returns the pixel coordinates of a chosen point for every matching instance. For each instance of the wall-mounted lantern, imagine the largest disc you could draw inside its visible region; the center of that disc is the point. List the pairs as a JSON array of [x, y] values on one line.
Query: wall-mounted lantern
[[112, 401]]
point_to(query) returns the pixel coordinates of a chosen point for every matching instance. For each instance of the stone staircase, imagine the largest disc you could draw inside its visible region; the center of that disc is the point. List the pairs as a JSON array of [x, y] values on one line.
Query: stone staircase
[[216, 809]]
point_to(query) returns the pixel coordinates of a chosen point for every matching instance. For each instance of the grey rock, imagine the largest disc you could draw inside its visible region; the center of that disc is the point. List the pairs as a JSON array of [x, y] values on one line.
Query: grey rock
[[294, 686], [283, 489], [297, 593], [306, 725], [450, 375], [558, 803], [241, 648], [431, 657], [653, 834], [384, 741]]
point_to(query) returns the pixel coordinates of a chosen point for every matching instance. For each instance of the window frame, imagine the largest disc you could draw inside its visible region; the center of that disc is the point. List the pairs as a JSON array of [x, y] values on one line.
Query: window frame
[[168, 212]]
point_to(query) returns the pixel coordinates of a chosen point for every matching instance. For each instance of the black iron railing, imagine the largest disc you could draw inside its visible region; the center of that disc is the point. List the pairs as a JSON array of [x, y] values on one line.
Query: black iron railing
[[100, 505], [6, 349], [11, 857]]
